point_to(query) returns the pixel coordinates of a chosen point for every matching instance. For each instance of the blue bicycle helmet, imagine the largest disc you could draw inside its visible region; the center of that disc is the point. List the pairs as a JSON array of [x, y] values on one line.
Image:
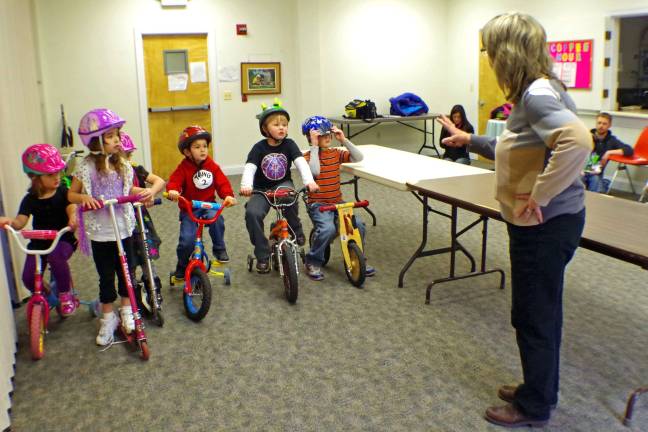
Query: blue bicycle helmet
[[318, 123]]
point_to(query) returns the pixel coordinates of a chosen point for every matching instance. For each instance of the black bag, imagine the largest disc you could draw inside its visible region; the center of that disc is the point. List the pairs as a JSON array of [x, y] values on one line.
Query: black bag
[[360, 109]]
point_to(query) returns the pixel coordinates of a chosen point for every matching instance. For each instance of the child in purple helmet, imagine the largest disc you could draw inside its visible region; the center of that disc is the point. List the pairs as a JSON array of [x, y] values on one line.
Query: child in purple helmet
[[48, 203], [141, 177], [324, 162], [105, 173]]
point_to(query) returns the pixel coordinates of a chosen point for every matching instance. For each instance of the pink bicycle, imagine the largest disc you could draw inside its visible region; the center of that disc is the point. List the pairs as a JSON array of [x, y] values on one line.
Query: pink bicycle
[[38, 307], [138, 337]]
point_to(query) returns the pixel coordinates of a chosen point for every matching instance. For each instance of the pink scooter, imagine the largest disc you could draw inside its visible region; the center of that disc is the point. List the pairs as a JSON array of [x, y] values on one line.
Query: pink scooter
[[38, 308], [136, 338]]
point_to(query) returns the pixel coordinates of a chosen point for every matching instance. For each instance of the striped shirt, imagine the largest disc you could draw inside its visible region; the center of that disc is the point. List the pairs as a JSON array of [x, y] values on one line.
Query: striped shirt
[[328, 179]]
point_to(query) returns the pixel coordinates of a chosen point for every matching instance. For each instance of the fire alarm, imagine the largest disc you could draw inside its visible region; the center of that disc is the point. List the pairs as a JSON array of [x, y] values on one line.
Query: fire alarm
[[241, 29]]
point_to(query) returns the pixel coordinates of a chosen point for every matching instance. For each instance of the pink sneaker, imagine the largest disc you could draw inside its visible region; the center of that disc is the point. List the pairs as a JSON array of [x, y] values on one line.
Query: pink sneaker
[[67, 304]]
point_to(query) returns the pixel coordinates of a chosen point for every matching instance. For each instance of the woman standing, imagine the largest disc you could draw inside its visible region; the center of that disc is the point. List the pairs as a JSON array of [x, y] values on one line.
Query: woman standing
[[538, 160]]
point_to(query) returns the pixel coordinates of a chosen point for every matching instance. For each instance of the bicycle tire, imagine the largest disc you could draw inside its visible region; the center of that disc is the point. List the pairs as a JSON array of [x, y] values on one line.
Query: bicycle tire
[[290, 280], [37, 332], [358, 271], [200, 288]]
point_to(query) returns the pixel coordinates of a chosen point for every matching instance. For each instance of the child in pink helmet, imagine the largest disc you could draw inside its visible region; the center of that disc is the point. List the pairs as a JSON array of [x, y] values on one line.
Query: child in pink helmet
[[106, 173], [141, 177], [48, 203]]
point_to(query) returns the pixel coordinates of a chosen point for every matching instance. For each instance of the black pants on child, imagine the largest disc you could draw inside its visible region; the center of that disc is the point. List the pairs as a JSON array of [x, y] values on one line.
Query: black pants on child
[[256, 210], [106, 258]]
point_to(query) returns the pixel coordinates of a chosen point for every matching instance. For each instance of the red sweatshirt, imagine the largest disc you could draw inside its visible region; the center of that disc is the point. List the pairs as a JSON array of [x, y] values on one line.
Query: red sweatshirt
[[200, 183]]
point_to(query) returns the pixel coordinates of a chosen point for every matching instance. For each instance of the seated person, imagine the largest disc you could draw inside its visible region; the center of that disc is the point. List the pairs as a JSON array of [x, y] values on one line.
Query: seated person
[[605, 145], [457, 154]]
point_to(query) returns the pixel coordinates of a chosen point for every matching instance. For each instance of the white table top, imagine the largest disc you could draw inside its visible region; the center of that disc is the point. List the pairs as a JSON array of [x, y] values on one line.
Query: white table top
[[395, 168]]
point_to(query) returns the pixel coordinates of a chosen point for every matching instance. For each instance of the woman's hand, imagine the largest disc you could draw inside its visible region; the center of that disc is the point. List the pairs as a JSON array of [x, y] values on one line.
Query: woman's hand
[[457, 138], [530, 208], [245, 191], [229, 201]]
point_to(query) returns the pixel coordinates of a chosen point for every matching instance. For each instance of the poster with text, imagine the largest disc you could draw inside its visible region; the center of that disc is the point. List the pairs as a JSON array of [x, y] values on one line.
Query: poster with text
[[573, 62]]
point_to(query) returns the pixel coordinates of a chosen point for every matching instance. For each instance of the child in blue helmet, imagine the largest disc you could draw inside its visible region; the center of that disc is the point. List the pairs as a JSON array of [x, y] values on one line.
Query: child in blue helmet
[[324, 162], [268, 167]]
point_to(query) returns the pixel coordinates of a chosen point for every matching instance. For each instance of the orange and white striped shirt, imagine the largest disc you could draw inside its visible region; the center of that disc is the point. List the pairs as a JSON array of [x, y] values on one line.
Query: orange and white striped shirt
[[329, 177]]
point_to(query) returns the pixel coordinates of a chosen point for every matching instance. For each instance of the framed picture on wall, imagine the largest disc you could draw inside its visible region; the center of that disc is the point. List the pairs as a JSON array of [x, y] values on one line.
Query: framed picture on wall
[[260, 78]]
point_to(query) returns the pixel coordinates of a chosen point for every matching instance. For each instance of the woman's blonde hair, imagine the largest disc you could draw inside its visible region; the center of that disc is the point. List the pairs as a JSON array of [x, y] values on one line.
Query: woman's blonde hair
[[517, 50]]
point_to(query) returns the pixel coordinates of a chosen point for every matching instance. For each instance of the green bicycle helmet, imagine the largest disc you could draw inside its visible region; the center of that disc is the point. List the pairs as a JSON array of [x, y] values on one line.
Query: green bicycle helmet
[[266, 112]]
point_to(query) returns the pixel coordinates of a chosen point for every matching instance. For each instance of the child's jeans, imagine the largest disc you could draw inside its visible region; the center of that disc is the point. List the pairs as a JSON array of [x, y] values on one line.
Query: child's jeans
[[187, 238], [256, 210], [596, 182], [325, 225], [58, 262]]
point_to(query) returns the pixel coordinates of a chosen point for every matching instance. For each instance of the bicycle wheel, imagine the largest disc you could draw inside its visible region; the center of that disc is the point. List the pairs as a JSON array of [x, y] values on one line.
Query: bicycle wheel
[[197, 303], [289, 265], [144, 350], [358, 270], [37, 332], [227, 275], [327, 251]]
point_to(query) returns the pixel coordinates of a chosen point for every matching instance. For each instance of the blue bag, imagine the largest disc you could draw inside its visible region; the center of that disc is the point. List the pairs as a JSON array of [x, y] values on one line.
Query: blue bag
[[407, 104]]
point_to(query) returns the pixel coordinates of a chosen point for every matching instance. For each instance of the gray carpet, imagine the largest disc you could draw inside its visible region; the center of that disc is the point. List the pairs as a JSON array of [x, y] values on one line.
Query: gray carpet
[[341, 359]]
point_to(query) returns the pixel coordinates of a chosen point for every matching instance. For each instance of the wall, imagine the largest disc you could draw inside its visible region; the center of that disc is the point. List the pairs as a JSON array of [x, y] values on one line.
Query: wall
[[20, 124], [87, 50]]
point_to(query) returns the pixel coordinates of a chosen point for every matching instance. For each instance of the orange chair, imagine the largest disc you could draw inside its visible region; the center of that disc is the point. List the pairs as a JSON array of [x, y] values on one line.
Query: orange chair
[[639, 158]]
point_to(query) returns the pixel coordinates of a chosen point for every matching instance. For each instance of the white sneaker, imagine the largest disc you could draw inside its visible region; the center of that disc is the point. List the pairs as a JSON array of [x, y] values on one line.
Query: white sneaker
[[107, 330], [126, 314]]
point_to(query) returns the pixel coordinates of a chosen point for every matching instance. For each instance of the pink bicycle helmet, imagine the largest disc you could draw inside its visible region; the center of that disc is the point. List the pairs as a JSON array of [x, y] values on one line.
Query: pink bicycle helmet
[[96, 122], [127, 143], [42, 159]]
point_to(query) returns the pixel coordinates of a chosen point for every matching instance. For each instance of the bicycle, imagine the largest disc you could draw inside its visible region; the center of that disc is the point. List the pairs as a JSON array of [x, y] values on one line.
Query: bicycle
[[197, 292], [283, 245], [355, 265], [149, 281], [38, 307], [138, 337]]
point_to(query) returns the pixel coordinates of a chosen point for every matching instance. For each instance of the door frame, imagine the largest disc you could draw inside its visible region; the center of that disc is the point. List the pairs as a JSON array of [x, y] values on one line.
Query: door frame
[[139, 33]]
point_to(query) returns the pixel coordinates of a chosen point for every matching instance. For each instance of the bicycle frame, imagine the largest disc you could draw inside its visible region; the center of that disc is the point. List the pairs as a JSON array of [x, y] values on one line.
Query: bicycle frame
[[346, 228]]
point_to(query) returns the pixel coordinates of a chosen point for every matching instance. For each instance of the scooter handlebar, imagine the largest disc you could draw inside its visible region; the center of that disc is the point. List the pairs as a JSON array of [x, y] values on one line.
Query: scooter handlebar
[[331, 207]]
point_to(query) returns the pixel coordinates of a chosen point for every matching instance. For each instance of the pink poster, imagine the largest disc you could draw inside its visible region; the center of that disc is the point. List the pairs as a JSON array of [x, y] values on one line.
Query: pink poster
[[573, 62]]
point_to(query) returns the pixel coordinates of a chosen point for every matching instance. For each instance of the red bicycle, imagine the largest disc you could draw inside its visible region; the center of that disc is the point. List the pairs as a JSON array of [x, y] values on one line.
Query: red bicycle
[[38, 307]]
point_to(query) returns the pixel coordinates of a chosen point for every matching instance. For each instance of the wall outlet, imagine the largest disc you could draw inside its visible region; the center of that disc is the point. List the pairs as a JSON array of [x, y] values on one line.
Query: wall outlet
[[227, 95]]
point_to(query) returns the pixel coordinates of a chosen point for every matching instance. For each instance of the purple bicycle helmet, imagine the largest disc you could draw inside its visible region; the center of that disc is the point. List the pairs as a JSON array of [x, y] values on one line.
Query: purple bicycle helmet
[[96, 122], [318, 123], [127, 143], [42, 159]]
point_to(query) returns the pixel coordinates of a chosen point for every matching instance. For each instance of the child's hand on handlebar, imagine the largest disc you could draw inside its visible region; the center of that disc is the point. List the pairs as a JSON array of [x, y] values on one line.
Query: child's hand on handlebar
[[229, 201], [312, 187], [89, 202], [146, 195], [246, 191], [173, 195]]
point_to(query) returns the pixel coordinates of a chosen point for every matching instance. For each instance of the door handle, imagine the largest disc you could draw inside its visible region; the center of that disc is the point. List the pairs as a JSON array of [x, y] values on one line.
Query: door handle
[[205, 107], [481, 103]]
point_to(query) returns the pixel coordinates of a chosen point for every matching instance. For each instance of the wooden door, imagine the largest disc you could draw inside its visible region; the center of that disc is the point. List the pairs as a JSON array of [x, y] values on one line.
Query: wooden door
[[172, 108], [490, 95]]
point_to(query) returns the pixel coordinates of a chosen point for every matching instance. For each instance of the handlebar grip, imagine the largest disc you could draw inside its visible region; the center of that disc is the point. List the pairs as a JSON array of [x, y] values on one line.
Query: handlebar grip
[[363, 203], [127, 199], [39, 234], [327, 208], [157, 201], [205, 205]]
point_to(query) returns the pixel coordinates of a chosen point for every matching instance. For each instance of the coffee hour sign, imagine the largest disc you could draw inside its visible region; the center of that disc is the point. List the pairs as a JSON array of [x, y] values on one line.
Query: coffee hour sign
[[573, 62]]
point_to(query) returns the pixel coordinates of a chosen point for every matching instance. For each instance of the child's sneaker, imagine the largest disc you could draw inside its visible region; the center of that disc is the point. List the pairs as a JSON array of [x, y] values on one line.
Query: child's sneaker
[[370, 271], [262, 266], [126, 314], [67, 304], [314, 272], [109, 324], [221, 256]]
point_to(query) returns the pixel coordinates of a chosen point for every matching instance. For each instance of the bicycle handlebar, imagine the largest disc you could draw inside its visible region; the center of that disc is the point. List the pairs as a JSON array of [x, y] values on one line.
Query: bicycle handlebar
[[190, 206], [331, 207], [156, 201], [281, 192], [53, 235]]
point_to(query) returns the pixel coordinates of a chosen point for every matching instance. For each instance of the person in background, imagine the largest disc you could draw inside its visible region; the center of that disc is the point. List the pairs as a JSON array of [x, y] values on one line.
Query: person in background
[[538, 159], [459, 120], [605, 145]]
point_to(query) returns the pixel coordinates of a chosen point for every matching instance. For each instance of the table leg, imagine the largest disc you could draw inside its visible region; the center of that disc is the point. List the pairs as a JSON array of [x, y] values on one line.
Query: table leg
[[356, 194]]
